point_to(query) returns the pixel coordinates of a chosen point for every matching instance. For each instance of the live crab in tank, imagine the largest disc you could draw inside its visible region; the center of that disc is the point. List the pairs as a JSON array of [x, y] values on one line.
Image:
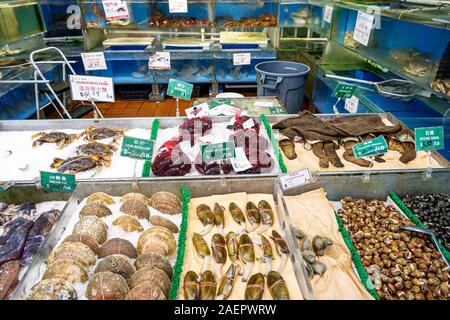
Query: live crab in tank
[[93, 134], [61, 139]]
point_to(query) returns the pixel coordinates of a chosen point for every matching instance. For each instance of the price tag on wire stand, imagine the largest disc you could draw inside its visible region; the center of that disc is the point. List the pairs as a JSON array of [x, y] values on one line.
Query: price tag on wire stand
[[431, 138], [351, 104], [328, 14], [94, 61], [370, 147], [89, 88], [58, 182], [363, 28], [179, 89], [178, 6], [137, 148], [242, 59], [294, 179], [115, 9]]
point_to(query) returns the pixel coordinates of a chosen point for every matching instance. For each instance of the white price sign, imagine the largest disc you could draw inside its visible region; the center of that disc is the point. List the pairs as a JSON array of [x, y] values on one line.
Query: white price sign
[[93, 61], [328, 14], [115, 9], [241, 59], [225, 110], [351, 104], [294, 179], [363, 27], [197, 111], [178, 6], [248, 124], [240, 162], [159, 61], [263, 104], [88, 88]]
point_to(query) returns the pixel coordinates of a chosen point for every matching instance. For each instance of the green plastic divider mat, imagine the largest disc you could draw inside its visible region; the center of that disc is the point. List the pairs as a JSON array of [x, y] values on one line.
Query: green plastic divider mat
[[153, 135], [415, 219], [274, 142], [178, 268]]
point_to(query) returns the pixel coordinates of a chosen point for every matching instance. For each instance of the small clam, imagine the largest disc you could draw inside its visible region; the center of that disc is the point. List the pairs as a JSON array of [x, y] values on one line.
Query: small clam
[[158, 240], [319, 268], [146, 291], [166, 202], [164, 222], [151, 275], [134, 196], [73, 251], [118, 246], [128, 223], [95, 209], [306, 244], [309, 256], [53, 289], [84, 239], [107, 286], [100, 197], [320, 243], [116, 263], [191, 287], [154, 260], [255, 287], [135, 208], [299, 234], [277, 286], [70, 270], [92, 226]]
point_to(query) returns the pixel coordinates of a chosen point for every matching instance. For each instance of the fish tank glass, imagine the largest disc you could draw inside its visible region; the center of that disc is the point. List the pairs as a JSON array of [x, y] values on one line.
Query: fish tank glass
[[293, 13], [199, 14], [245, 13], [62, 18]]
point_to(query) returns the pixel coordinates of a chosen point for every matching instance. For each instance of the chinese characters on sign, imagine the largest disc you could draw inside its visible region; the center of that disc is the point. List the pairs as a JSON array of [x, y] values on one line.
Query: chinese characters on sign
[[159, 61], [88, 88], [218, 151], [370, 147], [137, 148], [241, 59], [94, 61], [178, 6], [344, 91], [328, 14], [295, 179], [179, 89], [351, 104], [115, 9], [431, 138], [58, 182], [363, 28]]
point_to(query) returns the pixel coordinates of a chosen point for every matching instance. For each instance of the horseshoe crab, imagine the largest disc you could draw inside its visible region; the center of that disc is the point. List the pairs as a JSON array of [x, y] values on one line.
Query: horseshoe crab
[[92, 226], [166, 202], [70, 270], [253, 216], [206, 217], [128, 223], [320, 243], [267, 256], [107, 286], [191, 287], [202, 250], [100, 197], [163, 222], [208, 286], [93, 134], [146, 291], [135, 208], [84, 239], [227, 282], [118, 246], [100, 150], [116, 263], [219, 213], [73, 251], [95, 209], [76, 164], [247, 252], [154, 260], [238, 216], [158, 240], [282, 249], [151, 275], [53, 289], [265, 210], [255, 287], [219, 252], [136, 197], [60, 138], [277, 286]]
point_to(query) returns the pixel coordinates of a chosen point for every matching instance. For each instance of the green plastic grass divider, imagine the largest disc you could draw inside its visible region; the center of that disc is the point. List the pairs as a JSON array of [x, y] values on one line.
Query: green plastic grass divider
[[411, 216], [274, 142], [153, 135], [178, 268]]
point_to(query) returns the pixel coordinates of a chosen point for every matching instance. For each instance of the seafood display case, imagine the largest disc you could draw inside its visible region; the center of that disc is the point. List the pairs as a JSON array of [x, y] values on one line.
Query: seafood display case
[[200, 14], [254, 106], [245, 13]]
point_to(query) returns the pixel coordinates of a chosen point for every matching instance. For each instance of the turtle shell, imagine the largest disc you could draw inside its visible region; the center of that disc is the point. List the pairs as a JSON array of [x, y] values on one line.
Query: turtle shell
[[146, 291], [100, 197], [95, 209], [84, 239], [157, 239], [154, 260], [118, 246], [128, 223], [163, 222], [135, 197], [92, 226], [135, 208], [152, 275], [73, 251], [70, 270], [116, 263], [107, 285], [53, 289], [166, 202]]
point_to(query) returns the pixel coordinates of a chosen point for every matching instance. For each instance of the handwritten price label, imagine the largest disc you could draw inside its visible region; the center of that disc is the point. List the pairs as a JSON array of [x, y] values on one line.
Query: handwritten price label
[[363, 27], [295, 179], [178, 6], [115, 9], [241, 59], [94, 61], [88, 88]]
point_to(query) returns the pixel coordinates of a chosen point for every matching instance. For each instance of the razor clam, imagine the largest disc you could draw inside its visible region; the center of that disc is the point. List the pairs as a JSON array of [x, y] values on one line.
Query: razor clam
[[247, 252], [207, 286], [282, 249], [191, 287], [227, 282], [206, 217], [267, 256], [255, 287], [266, 213], [238, 216], [253, 216], [202, 250], [219, 252], [219, 213], [277, 286]]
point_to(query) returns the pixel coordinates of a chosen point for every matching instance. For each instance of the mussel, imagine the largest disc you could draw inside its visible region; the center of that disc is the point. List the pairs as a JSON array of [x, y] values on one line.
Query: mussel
[[206, 217], [202, 250], [266, 213], [320, 243], [247, 253]]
